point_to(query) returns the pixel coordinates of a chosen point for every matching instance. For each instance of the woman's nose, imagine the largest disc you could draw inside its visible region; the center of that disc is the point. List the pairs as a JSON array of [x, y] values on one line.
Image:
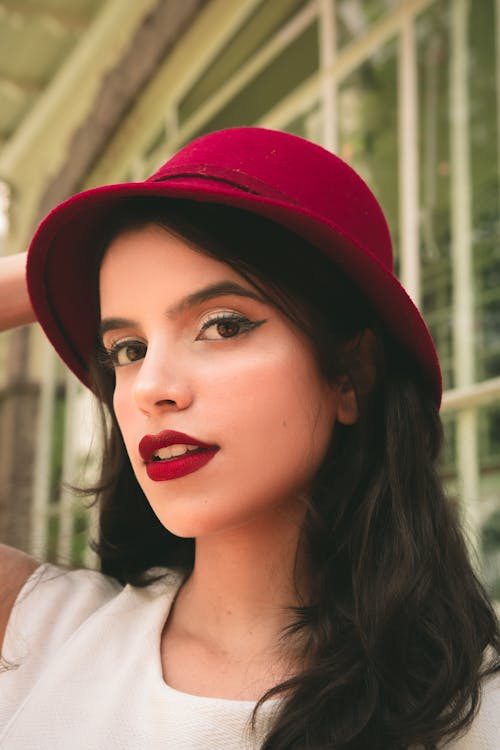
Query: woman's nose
[[161, 382]]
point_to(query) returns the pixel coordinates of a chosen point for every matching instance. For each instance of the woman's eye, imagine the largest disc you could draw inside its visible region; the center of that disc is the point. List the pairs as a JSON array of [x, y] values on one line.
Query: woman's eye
[[226, 327], [126, 352]]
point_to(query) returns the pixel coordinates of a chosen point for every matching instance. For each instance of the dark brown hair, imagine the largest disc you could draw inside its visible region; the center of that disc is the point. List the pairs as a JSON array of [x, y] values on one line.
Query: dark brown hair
[[397, 624]]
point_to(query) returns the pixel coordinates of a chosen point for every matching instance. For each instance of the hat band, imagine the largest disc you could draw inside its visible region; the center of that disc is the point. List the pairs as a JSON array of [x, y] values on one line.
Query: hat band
[[234, 178]]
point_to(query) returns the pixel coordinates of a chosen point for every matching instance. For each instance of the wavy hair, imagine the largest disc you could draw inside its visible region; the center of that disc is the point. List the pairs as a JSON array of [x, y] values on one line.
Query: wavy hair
[[398, 631]]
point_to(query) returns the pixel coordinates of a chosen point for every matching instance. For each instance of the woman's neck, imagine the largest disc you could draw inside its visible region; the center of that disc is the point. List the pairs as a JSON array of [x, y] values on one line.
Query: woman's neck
[[223, 636], [245, 583]]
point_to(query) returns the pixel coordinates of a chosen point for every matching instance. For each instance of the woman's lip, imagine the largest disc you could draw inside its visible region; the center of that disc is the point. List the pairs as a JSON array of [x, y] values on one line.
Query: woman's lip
[[173, 468], [150, 444]]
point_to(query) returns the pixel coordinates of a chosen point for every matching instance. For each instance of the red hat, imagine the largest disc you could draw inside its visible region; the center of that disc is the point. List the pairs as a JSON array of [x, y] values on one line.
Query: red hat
[[287, 179]]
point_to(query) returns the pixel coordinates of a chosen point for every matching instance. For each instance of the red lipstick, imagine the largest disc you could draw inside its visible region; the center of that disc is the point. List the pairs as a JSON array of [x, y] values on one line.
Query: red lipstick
[[163, 469]]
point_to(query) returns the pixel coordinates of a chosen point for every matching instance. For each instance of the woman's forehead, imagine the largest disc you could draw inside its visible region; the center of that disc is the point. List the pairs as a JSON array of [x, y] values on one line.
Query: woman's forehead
[[140, 246], [149, 262]]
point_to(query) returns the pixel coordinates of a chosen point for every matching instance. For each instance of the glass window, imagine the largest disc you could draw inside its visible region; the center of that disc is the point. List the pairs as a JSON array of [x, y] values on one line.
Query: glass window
[[308, 124], [286, 72], [489, 440], [80, 532], [354, 17], [368, 128], [484, 125], [449, 454], [157, 141], [491, 554], [267, 19], [433, 31], [489, 448], [433, 42]]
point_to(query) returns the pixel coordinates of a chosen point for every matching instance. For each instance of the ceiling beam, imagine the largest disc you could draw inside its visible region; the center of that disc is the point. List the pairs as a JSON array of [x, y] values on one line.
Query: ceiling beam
[[72, 121], [19, 86], [215, 25], [40, 140], [38, 148], [120, 89], [66, 20]]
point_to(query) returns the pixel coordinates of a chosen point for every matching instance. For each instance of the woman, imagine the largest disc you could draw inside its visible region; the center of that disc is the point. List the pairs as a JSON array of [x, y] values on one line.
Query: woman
[[294, 576]]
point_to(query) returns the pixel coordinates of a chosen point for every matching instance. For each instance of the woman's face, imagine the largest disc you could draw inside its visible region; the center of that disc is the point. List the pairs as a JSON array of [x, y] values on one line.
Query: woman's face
[[197, 351]]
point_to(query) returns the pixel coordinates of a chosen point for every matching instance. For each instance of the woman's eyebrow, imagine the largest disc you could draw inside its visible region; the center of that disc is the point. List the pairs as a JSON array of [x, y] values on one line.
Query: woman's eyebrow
[[219, 289]]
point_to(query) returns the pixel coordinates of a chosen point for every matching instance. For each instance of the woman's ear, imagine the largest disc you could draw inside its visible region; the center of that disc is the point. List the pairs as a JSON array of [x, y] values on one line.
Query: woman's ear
[[347, 403], [360, 353]]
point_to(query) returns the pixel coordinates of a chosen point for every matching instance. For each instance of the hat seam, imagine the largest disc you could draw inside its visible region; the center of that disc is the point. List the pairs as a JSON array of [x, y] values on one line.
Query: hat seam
[[213, 173]]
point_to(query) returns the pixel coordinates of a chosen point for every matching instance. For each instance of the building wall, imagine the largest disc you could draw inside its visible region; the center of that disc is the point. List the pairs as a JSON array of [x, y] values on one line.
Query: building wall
[[407, 92]]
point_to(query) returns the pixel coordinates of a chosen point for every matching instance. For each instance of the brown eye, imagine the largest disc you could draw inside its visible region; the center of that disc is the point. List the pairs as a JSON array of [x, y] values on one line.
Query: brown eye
[[228, 328], [132, 353], [126, 352]]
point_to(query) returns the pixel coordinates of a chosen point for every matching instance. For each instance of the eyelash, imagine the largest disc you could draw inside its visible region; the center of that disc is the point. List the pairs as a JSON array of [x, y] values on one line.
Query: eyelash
[[223, 318], [111, 355]]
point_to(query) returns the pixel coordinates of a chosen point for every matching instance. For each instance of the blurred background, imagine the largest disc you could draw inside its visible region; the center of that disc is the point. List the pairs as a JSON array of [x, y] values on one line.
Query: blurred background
[[94, 91]]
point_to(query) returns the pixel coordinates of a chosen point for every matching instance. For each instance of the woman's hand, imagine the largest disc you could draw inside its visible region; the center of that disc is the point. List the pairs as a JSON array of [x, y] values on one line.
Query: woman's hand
[[15, 306]]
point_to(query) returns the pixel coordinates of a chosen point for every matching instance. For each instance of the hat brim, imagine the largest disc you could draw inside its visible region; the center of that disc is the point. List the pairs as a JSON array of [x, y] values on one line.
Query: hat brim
[[61, 266]]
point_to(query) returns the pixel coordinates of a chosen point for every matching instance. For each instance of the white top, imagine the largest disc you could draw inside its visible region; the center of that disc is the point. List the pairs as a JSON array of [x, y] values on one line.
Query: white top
[[90, 675]]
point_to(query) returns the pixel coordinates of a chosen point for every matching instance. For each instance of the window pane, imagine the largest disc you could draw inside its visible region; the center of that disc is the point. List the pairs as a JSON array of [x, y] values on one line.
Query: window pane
[[368, 128], [485, 188], [489, 448], [308, 124], [354, 17], [266, 20], [291, 68], [433, 29], [434, 144], [449, 454], [489, 439]]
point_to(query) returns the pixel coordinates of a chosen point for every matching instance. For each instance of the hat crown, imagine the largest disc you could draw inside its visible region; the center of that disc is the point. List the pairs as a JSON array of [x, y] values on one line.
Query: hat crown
[[282, 177], [257, 160]]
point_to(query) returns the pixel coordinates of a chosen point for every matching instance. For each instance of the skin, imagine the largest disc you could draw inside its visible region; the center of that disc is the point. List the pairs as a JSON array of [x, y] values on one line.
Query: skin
[[15, 306], [253, 389], [15, 310]]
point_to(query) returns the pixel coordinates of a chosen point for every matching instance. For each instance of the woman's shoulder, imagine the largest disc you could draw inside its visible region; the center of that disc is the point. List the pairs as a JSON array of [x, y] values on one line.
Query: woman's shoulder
[[55, 601], [51, 605], [15, 569], [484, 732]]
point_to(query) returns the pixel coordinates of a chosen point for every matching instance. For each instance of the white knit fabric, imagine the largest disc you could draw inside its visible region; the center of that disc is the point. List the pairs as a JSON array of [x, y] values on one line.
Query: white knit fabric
[[90, 673], [90, 676]]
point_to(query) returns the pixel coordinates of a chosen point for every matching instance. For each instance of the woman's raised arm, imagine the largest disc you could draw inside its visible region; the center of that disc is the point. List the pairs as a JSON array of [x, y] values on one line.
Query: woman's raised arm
[[15, 569], [15, 307]]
